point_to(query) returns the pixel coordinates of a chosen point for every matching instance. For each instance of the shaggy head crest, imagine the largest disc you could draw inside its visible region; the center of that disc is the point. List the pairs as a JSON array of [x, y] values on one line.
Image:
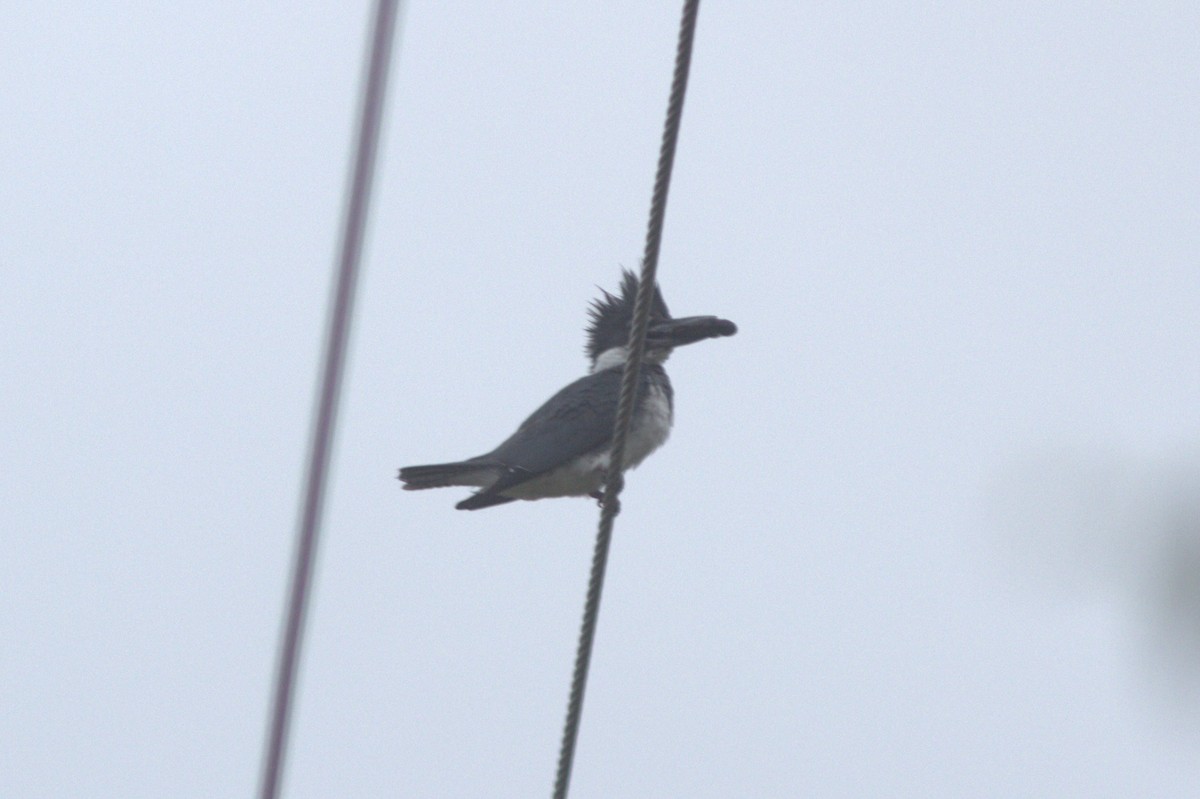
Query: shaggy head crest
[[611, 315]]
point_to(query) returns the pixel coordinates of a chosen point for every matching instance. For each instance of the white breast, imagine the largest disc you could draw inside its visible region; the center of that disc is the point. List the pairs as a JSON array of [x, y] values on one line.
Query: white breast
[[650, 427]]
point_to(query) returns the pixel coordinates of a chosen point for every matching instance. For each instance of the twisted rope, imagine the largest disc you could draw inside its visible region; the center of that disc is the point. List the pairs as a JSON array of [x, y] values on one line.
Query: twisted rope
[[629, 380]]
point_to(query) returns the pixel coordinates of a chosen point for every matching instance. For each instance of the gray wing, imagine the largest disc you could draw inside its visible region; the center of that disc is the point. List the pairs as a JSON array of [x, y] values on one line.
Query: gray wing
[[576, 420]]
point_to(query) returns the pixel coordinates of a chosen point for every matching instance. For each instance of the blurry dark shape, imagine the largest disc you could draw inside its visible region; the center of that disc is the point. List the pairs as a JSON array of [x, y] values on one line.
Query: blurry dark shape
[[1083, 522], [1173, 606]]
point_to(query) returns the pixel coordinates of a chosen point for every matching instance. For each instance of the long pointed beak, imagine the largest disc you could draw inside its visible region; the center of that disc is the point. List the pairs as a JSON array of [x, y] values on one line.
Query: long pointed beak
[[688, 330]]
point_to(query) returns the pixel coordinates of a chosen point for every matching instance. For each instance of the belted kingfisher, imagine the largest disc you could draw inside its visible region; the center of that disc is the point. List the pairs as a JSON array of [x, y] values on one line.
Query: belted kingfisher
[[562, 449]]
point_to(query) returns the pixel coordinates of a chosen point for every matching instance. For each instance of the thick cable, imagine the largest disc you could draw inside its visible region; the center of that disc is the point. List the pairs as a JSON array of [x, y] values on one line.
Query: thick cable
[[354, 221], [629, 380]]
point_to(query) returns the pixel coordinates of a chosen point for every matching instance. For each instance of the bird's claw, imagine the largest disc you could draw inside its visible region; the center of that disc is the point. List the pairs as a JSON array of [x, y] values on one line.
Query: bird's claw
[[598, 495]]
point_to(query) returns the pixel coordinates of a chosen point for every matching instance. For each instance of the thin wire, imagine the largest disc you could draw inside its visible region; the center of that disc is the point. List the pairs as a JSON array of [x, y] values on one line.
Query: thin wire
[[334, 356], [629, 380]]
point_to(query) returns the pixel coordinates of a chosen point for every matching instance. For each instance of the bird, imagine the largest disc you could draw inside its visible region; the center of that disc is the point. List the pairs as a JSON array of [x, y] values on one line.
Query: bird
[[563, 448]]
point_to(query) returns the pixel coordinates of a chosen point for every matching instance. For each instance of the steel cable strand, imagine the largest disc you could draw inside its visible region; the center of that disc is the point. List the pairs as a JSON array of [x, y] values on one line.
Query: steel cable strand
[[629, 380]]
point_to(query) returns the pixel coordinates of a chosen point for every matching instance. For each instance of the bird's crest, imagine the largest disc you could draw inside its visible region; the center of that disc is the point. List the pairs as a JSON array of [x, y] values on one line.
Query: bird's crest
[[611, 315]]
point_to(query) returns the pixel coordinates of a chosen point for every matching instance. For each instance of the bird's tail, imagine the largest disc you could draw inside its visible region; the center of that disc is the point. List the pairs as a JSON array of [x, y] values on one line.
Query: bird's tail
[[440, 475]]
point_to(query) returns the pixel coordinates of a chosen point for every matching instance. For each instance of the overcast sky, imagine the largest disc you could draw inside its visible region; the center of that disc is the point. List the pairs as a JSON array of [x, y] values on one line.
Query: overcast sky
[[923, 526]]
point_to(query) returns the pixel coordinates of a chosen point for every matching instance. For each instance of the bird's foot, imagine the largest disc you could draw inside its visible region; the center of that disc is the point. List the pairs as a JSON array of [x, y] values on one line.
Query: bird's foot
[[599, 497]]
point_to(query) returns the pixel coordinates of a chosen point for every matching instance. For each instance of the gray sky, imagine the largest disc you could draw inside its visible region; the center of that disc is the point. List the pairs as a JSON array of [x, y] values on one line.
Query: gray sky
[[912, 534]]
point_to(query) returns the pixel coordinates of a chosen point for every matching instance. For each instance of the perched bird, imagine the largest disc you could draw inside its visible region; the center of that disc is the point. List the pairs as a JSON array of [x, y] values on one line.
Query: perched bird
[[562, 449]]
